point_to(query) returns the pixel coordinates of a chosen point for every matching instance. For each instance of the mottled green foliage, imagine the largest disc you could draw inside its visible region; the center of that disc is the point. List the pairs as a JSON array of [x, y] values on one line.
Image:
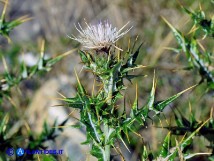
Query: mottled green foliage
[[8, 80], [30, 141], [7, 26], [199, 58], [98, 110]]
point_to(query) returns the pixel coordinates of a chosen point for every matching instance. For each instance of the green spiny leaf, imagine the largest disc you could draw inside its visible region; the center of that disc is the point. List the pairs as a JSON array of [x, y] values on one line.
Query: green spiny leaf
[[178, 121], [133, 57], [160, 106], [24, 71], [97, 152], [80, 87], [83, 57], [164, 152], [74, 102], [178, 35], [188, 140], [145, 154]]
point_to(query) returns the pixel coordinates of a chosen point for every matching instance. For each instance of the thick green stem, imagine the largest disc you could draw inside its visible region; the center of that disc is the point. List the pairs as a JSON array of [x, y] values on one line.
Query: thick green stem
[[107, 130], [107, 146]]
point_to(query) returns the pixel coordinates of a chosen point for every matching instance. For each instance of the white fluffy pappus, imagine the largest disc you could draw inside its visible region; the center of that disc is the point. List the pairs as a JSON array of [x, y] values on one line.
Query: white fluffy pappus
[[99, 37]]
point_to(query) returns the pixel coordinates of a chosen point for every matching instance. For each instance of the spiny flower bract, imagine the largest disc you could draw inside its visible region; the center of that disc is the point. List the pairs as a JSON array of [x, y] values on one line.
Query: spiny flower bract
[[100, 36]]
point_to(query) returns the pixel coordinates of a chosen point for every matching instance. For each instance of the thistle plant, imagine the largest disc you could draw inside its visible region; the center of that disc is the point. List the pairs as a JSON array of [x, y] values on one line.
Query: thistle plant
[[200, 59], [7, 26], [110, 67], [13, 133], [108, 121]]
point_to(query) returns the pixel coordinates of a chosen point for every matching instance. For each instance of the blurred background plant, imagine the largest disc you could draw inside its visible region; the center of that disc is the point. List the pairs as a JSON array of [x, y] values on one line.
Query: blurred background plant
[[53, 20], [15, 132]]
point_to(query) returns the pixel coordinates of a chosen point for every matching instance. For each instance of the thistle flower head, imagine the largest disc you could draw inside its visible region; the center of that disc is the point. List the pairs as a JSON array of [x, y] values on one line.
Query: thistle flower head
[[100, 36]]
